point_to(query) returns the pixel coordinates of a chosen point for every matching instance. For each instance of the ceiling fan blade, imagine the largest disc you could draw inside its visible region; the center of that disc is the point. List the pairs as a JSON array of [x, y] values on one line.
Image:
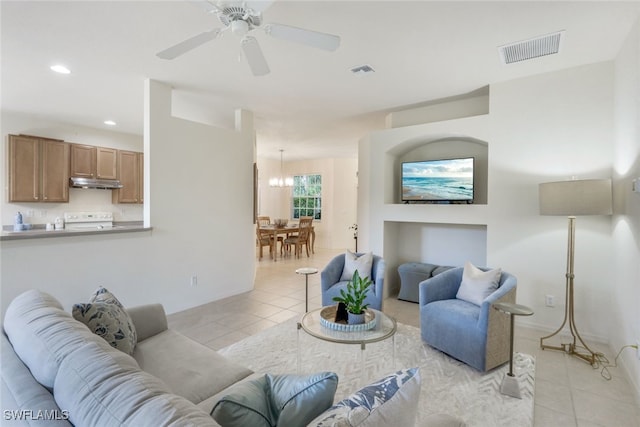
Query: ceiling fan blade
[[307, 37], [188, 44], [254, 56]]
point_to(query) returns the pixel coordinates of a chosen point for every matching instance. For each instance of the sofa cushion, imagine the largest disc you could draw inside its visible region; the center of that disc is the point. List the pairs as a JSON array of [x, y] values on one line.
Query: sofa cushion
[[105, 387], [392, 401], [276, 400], [476, 284], [353, 262], [43, 334], [190, 369], [20, 392], [105, 316]]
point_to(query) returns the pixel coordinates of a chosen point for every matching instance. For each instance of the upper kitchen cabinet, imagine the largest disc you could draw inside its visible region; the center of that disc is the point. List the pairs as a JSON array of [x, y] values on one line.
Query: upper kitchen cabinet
[[38, 169], [106, 163], [88, 161], [130, 172]]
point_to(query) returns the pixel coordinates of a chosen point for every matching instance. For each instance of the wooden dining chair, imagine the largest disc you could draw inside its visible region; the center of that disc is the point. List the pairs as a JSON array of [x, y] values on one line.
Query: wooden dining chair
[[302, 238], [265, 237]]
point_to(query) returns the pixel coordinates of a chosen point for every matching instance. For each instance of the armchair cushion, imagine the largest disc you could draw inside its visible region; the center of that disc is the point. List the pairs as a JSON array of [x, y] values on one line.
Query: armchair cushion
[[476, 284], [353, 262]]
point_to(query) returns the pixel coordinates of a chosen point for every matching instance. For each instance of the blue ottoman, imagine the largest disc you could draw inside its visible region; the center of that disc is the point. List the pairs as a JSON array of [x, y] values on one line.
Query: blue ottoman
[[411, 274]]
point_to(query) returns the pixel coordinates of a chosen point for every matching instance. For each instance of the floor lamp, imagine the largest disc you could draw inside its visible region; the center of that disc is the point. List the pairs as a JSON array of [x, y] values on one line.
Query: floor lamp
[[572, 198]]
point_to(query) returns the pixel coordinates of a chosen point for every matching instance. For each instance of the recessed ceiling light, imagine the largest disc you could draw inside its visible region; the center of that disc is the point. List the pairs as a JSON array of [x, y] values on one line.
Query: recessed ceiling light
[[109, 122], [60, 69]]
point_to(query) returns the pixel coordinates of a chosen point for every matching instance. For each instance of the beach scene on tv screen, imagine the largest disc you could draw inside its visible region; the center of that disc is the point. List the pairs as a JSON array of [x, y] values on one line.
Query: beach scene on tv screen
[[438, 180]]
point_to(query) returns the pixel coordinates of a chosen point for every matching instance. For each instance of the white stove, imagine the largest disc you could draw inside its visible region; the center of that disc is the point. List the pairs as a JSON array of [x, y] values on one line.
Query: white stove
[[88, 220]]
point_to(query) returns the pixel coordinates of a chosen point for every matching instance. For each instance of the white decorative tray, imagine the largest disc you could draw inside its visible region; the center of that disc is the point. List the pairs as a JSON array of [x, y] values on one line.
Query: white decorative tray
[[328, 315]]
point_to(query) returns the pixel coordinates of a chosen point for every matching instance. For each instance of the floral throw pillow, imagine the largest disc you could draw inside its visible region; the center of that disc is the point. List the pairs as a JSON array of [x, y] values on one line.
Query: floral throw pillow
[[105, 316], [391, 399]]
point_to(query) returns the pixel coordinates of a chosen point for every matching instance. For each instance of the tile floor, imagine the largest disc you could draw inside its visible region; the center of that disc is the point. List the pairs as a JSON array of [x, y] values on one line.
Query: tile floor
[[569, 392]]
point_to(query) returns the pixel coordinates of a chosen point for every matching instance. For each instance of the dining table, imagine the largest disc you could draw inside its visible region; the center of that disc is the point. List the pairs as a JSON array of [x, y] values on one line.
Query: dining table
[[285, 230]]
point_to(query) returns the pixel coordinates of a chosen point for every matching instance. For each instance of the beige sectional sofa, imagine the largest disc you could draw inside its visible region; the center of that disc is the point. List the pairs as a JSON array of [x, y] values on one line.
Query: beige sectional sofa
[[56, 372]]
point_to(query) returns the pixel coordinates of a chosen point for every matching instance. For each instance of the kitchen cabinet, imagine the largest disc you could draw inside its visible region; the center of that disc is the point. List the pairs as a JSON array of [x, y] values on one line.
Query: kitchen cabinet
[[38, 169], [106, 163], [130, 173], [88, 161]]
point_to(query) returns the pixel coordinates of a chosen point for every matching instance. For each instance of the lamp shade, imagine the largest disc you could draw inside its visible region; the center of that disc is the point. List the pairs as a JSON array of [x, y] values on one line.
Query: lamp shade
[[579, 197]]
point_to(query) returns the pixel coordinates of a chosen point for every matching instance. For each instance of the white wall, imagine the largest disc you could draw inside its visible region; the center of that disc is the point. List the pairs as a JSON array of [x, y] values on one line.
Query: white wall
[[79, 199], [199, 226], [542, 128], [624, 322], [339, 196]]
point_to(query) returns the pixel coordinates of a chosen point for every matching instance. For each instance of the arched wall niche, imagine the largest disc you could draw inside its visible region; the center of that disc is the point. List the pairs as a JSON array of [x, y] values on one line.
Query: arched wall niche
[[439, 147]]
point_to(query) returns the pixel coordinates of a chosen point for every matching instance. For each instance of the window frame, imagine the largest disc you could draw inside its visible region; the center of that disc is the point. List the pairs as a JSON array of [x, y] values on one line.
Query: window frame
[[311, 192]]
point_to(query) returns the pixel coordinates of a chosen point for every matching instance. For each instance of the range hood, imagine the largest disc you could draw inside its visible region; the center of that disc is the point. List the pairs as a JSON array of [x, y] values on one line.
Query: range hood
[[103, 184]]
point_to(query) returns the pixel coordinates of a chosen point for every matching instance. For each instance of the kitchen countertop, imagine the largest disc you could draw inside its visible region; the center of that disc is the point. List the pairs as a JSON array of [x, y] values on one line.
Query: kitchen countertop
[[38, 231]]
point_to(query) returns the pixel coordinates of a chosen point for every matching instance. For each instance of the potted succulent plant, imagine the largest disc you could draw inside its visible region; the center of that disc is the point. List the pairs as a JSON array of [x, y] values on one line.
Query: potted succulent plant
[[353, 298]]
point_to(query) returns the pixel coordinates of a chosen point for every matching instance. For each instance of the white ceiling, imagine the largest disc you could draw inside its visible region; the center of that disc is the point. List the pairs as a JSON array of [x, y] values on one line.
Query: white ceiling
[[310, 104]]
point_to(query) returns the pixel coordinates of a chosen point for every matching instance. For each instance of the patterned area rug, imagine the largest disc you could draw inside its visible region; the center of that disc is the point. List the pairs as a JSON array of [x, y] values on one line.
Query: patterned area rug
[[448, 386]]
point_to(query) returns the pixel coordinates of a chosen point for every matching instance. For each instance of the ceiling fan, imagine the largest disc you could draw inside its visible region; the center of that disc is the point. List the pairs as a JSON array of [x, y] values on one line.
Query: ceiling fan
[[243, 17]]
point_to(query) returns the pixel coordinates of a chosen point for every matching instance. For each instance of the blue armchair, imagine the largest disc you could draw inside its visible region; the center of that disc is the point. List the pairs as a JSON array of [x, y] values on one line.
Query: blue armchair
[[331, 284], [475, 335]]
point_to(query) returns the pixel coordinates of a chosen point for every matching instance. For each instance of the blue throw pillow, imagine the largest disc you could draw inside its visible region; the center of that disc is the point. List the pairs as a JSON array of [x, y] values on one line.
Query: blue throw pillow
[[276, 400], [392, 400]]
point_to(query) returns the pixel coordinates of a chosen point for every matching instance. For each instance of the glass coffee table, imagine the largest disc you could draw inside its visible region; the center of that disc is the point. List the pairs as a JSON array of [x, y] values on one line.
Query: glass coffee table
[[385, 327]]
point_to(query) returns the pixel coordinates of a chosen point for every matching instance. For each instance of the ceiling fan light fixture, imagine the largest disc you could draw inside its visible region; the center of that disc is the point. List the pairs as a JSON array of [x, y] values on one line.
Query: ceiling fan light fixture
[[239, 27]]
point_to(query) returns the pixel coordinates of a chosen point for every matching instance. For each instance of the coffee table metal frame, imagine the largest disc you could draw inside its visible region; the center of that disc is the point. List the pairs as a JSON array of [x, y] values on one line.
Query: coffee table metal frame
[[386, 327]]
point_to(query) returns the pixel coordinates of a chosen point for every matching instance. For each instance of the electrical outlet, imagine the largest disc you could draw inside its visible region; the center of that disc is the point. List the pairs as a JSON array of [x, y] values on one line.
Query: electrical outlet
[[549, 300], [194, 280]]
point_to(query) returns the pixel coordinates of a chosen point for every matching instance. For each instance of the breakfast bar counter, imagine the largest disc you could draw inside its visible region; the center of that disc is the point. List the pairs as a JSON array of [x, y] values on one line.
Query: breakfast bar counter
[[39, 232]]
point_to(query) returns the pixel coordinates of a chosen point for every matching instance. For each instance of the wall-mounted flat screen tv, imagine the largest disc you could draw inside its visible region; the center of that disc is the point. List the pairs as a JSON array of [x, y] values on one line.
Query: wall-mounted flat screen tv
[[438, 181]]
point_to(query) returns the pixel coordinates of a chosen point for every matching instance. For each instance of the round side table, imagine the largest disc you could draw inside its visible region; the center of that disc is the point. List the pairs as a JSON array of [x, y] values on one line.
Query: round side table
[[510, 385], [306, 271]]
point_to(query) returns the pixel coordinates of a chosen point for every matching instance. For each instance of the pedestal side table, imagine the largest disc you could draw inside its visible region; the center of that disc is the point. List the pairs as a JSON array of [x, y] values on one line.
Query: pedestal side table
[[306, 271], [510, 385]]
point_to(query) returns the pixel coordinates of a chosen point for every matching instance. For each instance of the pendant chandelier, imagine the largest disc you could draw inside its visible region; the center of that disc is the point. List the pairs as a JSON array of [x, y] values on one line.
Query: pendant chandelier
[[281, 181]]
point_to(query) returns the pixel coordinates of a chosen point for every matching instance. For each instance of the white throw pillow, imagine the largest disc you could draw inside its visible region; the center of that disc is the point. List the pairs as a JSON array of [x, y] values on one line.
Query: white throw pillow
[[352, 262], [391, 401], [477, 284]]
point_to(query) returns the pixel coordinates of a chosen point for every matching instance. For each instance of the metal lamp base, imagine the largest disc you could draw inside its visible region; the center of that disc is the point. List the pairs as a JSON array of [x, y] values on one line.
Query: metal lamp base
[[510, 386]]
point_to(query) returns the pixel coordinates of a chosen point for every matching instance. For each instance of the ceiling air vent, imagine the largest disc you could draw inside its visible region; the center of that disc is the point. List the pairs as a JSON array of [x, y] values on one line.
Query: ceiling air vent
[[532, 48], [362, 70]]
